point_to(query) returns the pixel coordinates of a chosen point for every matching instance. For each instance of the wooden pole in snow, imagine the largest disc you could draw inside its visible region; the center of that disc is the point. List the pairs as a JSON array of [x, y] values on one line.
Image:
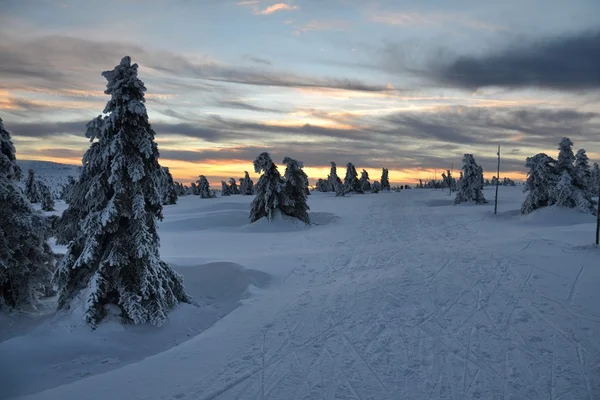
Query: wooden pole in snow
[[598, 220], [497, 183]]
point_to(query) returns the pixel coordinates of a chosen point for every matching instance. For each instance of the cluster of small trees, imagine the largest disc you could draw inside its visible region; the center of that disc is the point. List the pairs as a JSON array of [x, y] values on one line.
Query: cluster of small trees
[[37, 192], [351, 182], [567, 181]]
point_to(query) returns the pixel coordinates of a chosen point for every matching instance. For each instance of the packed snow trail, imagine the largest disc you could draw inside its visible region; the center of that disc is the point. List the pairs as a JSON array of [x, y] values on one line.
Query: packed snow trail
[[415, 301]]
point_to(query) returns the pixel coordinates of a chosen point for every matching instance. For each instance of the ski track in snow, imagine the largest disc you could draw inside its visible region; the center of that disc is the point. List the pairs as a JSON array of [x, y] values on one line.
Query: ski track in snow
[[414, 303]]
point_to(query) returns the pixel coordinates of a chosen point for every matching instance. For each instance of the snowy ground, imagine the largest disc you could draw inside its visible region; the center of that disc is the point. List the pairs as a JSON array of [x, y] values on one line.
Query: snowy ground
[[390, 296]]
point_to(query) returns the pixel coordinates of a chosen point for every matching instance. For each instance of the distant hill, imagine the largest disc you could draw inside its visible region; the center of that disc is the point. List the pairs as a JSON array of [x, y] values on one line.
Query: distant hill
[[55, 175]]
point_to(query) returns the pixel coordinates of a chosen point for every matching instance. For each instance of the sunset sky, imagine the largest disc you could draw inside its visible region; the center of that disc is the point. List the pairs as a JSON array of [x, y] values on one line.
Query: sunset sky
[[409, 85]]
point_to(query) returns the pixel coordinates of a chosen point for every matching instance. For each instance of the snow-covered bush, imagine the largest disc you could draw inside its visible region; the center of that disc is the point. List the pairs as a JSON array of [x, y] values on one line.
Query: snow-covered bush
[[225, 189], [376, 187], [471, 185], [233, 187], [322, 185], [26, 261], [295, 190], [114, 258], [204, 188]]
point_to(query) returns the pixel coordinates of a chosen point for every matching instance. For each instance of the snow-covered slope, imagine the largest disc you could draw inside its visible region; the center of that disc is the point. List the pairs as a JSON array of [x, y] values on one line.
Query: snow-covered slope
[[392, 296], [54, 175]]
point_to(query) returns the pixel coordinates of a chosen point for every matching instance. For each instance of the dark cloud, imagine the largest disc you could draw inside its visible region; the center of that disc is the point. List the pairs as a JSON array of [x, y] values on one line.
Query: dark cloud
[[258, 60], [564, 63], [246, 106], [47, 129]]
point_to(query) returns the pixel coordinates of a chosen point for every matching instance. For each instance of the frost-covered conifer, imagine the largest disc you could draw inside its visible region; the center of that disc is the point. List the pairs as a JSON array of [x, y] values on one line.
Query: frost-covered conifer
[[351, 182], [566, 158], [470, 186], [333, 178], [583, 172], [166, 186], [247, 186], [294, 190], [114, 258], [322, 185], [541, 180], [26, 261], [376, 187], [269, 190], [340, 189], [385, 179], [46, 200], [31, 188], [225, 189], [194, 190], [365, 184], [204, 188], [233, 187]]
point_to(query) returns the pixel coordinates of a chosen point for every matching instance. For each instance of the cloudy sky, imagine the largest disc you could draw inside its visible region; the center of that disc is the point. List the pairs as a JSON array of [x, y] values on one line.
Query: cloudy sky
[[410, 85]]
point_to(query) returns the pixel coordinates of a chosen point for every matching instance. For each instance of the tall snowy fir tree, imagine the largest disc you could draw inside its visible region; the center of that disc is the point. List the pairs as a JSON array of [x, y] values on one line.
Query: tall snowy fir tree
[[46, 200], [32, 191], [470, 186], [247, 186], [566, 158], [365, 184], [333, 178], [294, 190], [385, 179], [351, 182], [204, 188], [114, 259], [225, 190], [26, 260], [541, 179], [233, 187], [583, 172], [270, 196]]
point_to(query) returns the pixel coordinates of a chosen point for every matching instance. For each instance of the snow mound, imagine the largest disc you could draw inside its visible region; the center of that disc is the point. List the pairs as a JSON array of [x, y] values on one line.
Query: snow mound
[[323, 218], [227, 207], [439, 203], [558, 216], [285, 223], [230, 218]]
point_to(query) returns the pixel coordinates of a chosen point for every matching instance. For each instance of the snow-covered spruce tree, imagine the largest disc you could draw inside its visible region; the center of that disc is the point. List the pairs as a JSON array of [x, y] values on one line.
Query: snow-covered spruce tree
[[294, 190], [566, 158], [233, 187], [194, 190], [376, 187], [541, 180], [270, 195], [351, 182], [167, 187], [340, 189], [31, 188], [365, 184], [385, 179], [204, 188], [46, 200], [247, 186], [333, 178], [470, 186], [26, 261], [225, 190], [114, 259], [583, 172]]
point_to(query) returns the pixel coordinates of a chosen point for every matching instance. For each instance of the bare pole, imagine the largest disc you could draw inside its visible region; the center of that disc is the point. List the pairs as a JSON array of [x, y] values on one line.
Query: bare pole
[[450, 180], [598, 220], [497, 182]]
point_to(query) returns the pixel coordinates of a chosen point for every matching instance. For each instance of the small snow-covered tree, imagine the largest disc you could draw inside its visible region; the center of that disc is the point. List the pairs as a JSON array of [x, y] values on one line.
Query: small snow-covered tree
[[295, 190], [351, 182], [470, 186], [566, 158], [114, 258], [333, 178], [233, 187], [194, 190], [204, 188], [541, 180], [26, 260], [365, 184], [46, 200], [583, 172], [225, 189], [376, 187], [32, 191], [269, 190], [340, 189], [385, 179], [247, 185], [322, 185], [421, 184]]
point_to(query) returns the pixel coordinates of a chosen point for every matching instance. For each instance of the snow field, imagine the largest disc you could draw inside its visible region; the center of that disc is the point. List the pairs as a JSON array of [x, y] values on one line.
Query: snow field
[[391, 296]]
